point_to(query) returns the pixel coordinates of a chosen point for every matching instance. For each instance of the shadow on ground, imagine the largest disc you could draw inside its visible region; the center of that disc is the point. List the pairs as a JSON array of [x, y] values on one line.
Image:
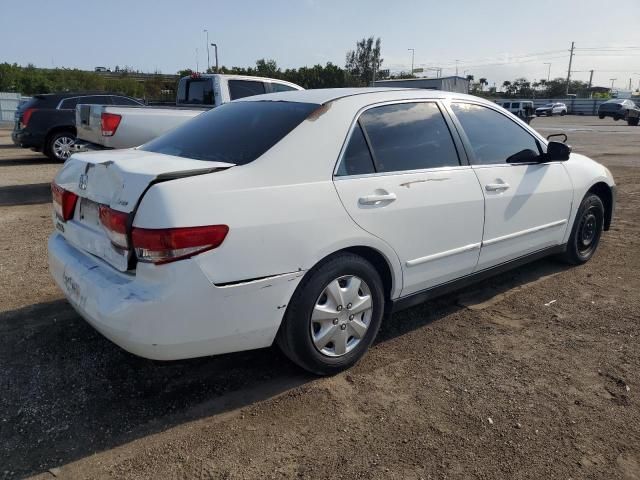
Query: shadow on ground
[[68, 392], [30, 194]]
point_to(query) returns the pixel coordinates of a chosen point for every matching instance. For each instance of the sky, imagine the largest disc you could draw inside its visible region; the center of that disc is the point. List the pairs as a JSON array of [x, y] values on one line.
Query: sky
[[496, 39]]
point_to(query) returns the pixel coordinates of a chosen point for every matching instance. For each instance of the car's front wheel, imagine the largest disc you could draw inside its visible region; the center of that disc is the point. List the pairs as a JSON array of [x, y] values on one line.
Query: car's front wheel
[[600, 116], [586, 231], [562, 113], [334, 315], [60, 146]]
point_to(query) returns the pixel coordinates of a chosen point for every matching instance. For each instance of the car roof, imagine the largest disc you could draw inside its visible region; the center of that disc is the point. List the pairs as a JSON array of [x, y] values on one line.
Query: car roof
[[366, 95]]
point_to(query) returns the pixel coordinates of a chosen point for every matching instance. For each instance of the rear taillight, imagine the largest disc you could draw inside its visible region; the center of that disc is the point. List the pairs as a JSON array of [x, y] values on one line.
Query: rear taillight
[[168, 244], [64, 201], [26, 116], [115, 224], [109, 123]]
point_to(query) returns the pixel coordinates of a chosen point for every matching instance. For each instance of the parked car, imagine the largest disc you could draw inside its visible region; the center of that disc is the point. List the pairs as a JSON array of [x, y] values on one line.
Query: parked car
[[303, 216], [105, 126], [617, 108], [46, 123], [552, 109]]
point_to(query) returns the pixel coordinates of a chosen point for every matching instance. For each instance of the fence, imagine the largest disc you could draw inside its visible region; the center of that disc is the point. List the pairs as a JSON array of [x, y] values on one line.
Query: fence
[[8, 105], [575, 106]]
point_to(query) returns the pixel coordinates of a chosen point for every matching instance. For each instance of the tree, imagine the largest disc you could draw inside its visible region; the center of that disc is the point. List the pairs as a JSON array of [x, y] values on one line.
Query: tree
[[483, 82], [365, 60]]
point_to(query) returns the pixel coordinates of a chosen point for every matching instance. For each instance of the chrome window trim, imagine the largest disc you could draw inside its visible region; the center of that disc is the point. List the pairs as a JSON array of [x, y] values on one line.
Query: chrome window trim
[[445, 116]]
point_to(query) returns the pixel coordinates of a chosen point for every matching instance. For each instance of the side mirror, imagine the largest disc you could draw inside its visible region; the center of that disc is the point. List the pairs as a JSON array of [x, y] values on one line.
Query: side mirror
[[557, 151]]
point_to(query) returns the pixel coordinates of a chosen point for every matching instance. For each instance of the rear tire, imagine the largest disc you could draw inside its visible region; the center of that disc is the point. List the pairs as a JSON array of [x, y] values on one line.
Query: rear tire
[[327, 327], [59, 146], [586, 231], [600, 116], [562, 113], [633, 121]]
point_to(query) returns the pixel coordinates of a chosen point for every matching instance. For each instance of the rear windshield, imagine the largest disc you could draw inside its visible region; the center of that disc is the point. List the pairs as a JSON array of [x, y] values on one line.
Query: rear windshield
[[196, 91], [236, 132]]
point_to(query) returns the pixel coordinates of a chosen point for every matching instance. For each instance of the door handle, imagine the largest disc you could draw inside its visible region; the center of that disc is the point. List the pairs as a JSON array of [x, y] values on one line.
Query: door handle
[[496, 187], [377, 198]]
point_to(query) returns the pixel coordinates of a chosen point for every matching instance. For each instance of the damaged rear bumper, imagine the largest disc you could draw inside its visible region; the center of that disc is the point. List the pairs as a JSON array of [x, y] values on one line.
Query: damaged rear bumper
[[172, 311]]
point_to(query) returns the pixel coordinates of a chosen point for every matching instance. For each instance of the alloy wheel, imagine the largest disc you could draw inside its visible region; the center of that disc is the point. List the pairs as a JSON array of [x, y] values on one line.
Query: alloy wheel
[[62, 147]]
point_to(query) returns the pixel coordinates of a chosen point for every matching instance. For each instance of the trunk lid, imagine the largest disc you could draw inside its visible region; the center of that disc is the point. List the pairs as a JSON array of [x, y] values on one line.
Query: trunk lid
[[116, 179]]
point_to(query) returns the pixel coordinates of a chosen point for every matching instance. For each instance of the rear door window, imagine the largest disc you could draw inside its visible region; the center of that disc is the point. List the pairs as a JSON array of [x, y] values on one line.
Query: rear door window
[[69, 103], [357, 158], [409, 136], [237, 132], [245, 88]]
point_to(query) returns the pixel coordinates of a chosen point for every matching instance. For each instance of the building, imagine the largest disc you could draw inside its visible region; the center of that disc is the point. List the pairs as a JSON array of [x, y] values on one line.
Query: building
[[447, 84]]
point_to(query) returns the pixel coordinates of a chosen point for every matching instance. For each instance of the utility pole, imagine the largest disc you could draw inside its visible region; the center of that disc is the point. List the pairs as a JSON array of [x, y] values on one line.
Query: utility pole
[[215, 46], [208, 60], [629, 83], [548, 71], [612, 81], [569, 70], [413, 53], [457, 67], [590, 78], [197, 64]]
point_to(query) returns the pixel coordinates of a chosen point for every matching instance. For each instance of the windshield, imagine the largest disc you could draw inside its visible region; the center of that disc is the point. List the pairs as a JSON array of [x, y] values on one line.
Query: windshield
[[236, 132], [549, 105]]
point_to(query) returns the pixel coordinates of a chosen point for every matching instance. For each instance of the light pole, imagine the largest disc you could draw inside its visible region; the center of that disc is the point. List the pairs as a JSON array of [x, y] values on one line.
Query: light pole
[[413, 53], [216, 52], [548, 71], [612, 81], [208, 61], [457, 67]]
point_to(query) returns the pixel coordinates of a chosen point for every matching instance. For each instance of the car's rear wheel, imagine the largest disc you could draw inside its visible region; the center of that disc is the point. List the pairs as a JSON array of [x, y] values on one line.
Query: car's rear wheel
[[59, 147], [600, 116], [334, 315], [562, 113], [586, 231], [633, 121]]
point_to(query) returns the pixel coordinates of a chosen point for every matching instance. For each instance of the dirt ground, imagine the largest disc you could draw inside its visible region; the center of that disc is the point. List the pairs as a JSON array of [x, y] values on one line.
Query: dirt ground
[[534, 374]]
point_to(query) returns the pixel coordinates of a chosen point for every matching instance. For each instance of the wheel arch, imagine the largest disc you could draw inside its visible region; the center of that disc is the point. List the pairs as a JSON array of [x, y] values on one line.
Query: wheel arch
[[58, 129], [602, 190], [391, 280]]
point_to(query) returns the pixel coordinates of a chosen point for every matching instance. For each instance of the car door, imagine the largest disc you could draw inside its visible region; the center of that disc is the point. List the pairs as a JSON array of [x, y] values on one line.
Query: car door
[[527, 205], [401, 179]]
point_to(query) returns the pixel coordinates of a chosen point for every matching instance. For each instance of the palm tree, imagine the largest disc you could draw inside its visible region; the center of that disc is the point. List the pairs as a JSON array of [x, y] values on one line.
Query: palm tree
[[483, 82]]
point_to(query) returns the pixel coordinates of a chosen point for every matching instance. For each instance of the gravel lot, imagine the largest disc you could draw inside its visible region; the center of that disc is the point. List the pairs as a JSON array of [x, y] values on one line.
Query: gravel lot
[[492, 382]]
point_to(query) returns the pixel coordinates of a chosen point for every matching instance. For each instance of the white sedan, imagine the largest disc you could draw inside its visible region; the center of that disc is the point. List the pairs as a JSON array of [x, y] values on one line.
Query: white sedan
[[303, 217]]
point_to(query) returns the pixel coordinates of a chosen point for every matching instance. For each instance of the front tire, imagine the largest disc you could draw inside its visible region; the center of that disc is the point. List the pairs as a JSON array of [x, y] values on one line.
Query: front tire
[[562, 113], [586, 231], [633, 121], [333, 316], [59, 146], [600, 116]]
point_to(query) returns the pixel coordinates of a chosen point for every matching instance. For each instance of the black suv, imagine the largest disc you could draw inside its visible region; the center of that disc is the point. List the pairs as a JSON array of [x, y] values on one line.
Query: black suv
[[46, 123]]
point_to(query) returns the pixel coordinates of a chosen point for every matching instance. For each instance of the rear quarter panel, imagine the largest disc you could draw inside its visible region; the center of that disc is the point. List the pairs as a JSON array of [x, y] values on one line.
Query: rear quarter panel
[[283, 212]]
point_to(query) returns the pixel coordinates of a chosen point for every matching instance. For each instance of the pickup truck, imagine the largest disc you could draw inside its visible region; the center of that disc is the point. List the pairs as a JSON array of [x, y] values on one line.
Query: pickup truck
[[107, 126]]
